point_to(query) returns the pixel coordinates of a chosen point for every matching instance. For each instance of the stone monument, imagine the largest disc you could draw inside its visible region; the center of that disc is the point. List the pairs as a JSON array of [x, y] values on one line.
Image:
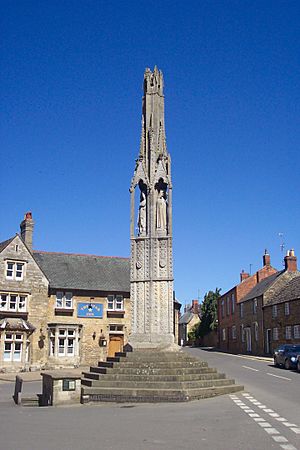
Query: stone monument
[[151, 276]]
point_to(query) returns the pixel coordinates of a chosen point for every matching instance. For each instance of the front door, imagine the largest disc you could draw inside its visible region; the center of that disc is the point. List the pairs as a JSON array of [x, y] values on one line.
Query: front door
[[248, 339], [115, 344]]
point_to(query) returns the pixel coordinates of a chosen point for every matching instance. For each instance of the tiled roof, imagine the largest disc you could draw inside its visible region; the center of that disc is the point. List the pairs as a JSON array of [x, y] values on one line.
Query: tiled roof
[[85, 272], [5, 244], [186, 317], [287, 289], [260, 288]]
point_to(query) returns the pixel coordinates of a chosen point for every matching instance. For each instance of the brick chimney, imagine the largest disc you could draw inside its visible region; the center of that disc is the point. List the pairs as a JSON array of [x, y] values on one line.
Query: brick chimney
[[290, 261], [266, 259], [244, 275], [195, 306], [26, 227]]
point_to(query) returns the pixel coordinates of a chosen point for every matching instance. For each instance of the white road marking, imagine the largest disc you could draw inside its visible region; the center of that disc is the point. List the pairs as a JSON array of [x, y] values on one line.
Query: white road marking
[[288, 447], [279, 439], [288, 424], [250, 368], [279, 376], [270, 430]]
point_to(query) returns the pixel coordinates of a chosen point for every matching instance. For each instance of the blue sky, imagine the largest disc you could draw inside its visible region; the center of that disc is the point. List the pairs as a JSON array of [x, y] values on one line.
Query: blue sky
[[71, 88]]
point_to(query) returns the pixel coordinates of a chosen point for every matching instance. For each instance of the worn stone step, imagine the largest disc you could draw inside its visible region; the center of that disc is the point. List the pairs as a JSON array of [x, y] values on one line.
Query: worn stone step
[[30, 401], [163, 385], [153, 395], [157, 364], [153, 370], [209, 375]]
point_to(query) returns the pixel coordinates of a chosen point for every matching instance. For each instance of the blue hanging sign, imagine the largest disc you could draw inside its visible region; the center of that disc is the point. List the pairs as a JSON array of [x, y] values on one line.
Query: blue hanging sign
[[90, 310]]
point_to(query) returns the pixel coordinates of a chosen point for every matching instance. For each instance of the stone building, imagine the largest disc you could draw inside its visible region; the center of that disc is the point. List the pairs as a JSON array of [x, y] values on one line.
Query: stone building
[[59, 309], [229, 310], [187, 321]]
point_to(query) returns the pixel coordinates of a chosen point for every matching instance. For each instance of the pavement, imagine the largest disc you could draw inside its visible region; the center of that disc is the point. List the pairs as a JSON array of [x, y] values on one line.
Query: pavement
[[36, 375]]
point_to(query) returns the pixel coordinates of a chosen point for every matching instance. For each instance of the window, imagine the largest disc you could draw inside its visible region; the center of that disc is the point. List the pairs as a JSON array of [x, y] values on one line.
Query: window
[[287, 308], [15, 270], [275, 334], [232, 303], [224, 334], [296, 331], [63, 341], [274, 311], [241, 310], [256, 331], [115, 303], [233, 332], [116, 328], [13, 302], [64, 300], [255, 306], [227, 306], [288, 332], [13, 344], [222, 308]]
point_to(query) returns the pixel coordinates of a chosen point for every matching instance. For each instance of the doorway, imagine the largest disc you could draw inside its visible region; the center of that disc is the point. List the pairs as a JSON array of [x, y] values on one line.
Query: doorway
[[116, 343], [248, 339], [268, 341]]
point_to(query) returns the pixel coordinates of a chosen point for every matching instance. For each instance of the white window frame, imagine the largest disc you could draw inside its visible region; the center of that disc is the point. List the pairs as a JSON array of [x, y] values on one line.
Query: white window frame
[[275, 334], [242, 333], [64, 341], [241, 310], [115, 303], [233, 332], [296, 331], [255, 306], [15, 270], [6, 302], [232, 303], [274, 311], [15, 342], [223, 334], [287, 309], [66, 299], [288, 332]]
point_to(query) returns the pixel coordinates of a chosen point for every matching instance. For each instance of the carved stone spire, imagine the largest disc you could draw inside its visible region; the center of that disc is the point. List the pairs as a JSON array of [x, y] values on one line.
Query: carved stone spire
[[151, 245]]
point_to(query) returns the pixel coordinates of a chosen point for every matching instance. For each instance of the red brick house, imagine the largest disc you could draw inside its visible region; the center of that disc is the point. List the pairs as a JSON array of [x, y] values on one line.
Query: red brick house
[[229, 311]]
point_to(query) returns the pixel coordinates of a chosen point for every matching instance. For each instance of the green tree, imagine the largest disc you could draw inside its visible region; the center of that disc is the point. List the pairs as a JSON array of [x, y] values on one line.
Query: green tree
[[209, 316]]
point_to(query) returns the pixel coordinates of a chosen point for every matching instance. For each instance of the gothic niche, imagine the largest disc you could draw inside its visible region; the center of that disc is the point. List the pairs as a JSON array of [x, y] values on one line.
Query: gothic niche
[[161, 206], [142, 214]]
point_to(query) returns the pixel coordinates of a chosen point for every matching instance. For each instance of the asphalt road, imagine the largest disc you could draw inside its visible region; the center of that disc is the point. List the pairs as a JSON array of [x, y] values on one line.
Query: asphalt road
[[244, 421]]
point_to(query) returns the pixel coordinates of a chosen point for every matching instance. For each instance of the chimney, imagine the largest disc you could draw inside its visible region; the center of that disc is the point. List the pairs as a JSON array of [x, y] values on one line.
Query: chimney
[[244, 275], [26, 228], [266, 259], [195, 306], [290, 261]]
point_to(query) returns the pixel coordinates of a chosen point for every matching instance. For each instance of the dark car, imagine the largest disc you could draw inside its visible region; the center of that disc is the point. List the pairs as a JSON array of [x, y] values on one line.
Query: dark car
[[298, 363], [286, 355]]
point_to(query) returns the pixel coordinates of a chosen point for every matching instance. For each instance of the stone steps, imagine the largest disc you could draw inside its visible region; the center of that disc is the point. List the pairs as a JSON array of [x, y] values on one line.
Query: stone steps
[[121, 395], [211, 374], [157, 384], [153, 376]]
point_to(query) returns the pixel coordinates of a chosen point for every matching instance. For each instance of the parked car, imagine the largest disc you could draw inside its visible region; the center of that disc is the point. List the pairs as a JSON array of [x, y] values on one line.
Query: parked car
[[298, 363], [286, 356]]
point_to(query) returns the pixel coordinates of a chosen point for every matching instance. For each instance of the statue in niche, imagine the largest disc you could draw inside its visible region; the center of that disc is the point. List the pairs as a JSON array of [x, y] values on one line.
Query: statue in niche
[[142, 214], [161, 211]]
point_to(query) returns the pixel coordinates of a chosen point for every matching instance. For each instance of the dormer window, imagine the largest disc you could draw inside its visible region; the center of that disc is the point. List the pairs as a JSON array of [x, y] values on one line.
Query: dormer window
[[15, 270], [64, 300], [115, 303]]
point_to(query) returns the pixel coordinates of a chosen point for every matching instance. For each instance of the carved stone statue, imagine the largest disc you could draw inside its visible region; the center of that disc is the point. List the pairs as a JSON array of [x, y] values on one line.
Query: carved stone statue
[[142, 214], [161, 211]]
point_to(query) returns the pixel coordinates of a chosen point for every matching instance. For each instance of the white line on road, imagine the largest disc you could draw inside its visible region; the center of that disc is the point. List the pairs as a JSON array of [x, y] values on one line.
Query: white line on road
[[296, 430], [288, 447], [250, 368], [278, 376]]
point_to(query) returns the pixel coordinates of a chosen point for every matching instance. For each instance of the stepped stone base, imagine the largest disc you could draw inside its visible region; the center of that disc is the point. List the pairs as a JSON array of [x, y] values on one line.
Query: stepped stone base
[[152, 376]]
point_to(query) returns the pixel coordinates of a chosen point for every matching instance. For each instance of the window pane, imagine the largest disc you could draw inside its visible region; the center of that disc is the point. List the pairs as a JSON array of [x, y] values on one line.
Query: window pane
[[22, 302], [3, 303], [13, 302]]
